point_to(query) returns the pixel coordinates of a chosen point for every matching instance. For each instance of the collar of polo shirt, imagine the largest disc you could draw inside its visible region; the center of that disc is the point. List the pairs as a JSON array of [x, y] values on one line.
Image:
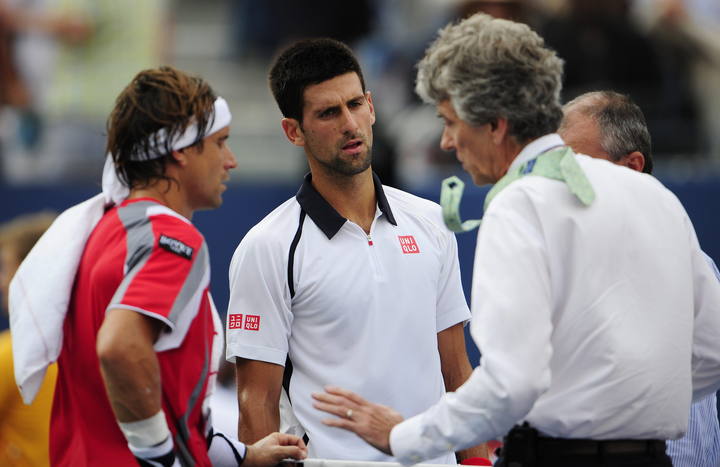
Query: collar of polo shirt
[[325, 216]]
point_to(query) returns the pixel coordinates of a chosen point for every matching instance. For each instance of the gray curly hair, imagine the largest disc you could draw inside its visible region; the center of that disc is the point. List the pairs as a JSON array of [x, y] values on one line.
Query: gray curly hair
[[492, 68]]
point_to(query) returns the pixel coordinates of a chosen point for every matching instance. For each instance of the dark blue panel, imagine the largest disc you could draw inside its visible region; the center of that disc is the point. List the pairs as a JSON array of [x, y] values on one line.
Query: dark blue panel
[[246, 204]]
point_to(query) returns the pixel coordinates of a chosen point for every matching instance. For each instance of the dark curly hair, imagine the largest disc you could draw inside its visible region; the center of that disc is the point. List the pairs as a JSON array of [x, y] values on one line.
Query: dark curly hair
[[308, 62], [159, 98]]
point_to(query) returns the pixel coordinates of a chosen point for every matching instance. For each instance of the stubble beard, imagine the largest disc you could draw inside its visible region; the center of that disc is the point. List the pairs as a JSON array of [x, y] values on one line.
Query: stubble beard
[[347, 166]]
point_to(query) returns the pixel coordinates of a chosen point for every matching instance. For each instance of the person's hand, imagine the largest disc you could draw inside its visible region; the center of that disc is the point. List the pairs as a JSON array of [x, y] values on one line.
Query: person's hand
[[371, 422], [273, 448]]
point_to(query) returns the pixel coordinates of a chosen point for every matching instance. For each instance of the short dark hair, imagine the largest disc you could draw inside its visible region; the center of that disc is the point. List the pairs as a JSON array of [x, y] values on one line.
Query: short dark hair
[[621, 122], [308, 62], [157, 98]]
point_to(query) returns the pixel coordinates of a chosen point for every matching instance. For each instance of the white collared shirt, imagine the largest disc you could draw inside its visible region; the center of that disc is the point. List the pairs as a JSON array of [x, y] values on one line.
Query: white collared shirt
[[587, 318], [358, 310]]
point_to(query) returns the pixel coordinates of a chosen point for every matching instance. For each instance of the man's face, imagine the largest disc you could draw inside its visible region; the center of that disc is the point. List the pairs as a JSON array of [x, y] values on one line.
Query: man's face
[[207, 170], [336, 131], [473, 146], [582, 133]]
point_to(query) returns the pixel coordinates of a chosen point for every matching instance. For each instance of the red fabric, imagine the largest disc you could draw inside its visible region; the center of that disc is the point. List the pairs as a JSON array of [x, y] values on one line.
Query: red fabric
[[83, 427], [476, 461]]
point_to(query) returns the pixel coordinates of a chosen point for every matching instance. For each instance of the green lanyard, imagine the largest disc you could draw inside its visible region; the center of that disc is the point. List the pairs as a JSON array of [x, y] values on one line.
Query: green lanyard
[[557, 164]]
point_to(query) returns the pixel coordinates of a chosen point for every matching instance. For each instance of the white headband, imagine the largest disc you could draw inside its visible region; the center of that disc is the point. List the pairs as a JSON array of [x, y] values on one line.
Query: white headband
[[115, 191], [220, 118]]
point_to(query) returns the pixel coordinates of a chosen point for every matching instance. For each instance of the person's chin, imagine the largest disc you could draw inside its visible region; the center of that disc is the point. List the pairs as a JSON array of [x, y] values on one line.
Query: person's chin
[[213, 203], [479, 179]]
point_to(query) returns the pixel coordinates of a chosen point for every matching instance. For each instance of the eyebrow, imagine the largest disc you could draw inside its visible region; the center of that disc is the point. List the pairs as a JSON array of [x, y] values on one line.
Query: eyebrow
[[322, 110]]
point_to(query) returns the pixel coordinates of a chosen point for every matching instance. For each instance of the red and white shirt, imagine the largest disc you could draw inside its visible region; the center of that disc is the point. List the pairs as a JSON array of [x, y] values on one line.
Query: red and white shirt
[[145, 257]]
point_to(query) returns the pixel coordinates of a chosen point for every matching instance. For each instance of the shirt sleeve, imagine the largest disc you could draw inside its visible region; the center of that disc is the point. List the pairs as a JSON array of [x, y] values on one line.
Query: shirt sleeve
[[701, 444], [706, 328], [451, 303], [167, 276], [259, 315], [511, 298]]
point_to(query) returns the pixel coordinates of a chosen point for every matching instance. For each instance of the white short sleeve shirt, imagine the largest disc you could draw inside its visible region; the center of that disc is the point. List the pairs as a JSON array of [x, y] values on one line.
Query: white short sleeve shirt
[[346, 308]]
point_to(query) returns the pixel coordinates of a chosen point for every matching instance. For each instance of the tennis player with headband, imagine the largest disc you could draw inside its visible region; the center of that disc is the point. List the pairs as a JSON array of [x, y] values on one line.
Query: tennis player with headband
[[118, 292]]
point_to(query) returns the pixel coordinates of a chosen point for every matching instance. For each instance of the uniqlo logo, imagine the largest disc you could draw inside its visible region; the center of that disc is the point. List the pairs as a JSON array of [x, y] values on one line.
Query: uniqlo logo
[[235, 322], [408, 245], [252, 323]]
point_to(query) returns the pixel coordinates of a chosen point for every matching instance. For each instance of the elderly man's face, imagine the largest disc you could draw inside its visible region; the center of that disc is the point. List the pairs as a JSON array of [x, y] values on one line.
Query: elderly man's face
[[581, 132], [473, 146]]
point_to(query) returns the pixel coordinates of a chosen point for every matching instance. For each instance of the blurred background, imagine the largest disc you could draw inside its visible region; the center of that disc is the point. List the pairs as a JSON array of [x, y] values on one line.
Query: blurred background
[[62, 62]]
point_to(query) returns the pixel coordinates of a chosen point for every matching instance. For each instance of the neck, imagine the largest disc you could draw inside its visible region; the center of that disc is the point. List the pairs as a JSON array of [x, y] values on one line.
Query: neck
[[352, 197], [167, 193], [511, 149]]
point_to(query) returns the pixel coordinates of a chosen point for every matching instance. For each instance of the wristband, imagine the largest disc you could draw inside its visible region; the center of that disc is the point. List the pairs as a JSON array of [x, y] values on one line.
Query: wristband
[[146, 433], [164, 449], [225, 451]]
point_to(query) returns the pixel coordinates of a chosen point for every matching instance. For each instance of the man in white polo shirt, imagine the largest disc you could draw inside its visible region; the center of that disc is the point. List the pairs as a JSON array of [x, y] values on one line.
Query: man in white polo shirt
[[350, 282]]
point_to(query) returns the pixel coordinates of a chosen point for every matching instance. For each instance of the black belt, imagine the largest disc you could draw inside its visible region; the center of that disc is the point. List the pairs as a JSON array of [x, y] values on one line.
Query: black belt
[[524, 446], [590, 447]]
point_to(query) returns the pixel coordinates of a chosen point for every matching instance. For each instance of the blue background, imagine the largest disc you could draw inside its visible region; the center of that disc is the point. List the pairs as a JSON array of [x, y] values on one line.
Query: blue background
[[246, 204]]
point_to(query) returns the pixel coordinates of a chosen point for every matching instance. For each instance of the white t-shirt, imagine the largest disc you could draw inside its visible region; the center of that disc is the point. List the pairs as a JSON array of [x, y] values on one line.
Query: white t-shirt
[[588, 318], [354, 310]]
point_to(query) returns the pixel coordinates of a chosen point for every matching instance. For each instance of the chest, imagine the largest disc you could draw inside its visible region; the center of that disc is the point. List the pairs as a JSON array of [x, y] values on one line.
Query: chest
[[347, 278]]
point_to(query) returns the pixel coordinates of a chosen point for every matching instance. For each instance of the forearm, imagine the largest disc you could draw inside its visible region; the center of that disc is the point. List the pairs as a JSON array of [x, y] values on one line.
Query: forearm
[[133, 385], [457, 374], [129, 365], [259, 384], [130, 371], [454, 363], [259, 415]]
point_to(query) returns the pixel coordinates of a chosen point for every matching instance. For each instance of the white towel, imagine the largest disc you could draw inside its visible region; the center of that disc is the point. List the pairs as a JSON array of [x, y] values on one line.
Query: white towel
[[41, 288]]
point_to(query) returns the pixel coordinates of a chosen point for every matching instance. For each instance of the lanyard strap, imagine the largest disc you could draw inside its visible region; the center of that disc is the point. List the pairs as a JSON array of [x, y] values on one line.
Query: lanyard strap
[[557, 163]]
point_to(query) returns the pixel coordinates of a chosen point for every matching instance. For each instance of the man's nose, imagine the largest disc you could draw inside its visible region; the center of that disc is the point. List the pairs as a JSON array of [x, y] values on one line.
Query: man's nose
[[231, 160], [349, 122], [446, 142]]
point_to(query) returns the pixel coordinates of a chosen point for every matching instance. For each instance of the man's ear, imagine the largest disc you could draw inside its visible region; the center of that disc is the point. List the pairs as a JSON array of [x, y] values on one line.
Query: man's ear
[[180, 157], [498, 130], [368, 96], [293, 131], [635, 160]]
